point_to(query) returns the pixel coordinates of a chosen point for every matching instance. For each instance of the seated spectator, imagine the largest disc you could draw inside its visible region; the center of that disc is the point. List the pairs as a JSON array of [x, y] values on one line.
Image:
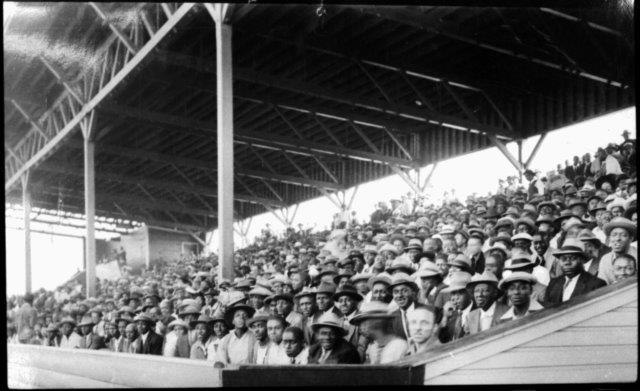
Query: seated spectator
[[331, 347], [519, 288], [150, 342], [404, 292], [489, 309], [200, 350], [237, 346], [430, 284], [294, 346], [374, 321], [620, 233], [275, 352], [380, 287], [574, 281], [132, 344], [521, 261], [69, 339], [424, 330], [258, 326], [624, 266], [51, 336], [456, 310]]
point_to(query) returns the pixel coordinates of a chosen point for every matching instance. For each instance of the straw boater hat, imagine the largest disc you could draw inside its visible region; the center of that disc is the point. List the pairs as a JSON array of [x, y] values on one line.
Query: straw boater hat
[[86, 321], [522, 236], [370, 248], [188, 310], [519, 259], [306, 291], [587, 236], [347, 290], [329, 319], [458, 281], [389, 247], [402, 264], [326, 288], [571, 246], [402, 279], [230, 312], [361, 277], [258, 318], [235, 297], [143, 318], [284, 296], [461, 261], [372, 310], [487, 278], [428, 269], [620, 222], [384, 278], [68, 319], [347, 273], [260, 291], [517, 276], [328, 270], [201, 319], [177, 322], [414, 244]]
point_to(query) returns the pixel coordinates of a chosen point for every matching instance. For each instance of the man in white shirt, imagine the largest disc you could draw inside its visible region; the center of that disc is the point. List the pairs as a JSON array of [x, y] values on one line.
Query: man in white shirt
[[489, 310], [293, 344], [275, 354], [620, 232], [237, 346], [69, 339]]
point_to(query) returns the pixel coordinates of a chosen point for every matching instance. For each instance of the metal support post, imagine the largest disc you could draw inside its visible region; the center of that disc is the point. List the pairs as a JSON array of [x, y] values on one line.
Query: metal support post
[[505, 152], [89, 206], [26, 205], [224, 97], [519, 142], [535, 150]]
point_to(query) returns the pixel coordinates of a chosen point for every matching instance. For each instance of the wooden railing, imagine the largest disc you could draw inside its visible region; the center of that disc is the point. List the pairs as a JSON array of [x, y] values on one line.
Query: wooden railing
[[38, 366]]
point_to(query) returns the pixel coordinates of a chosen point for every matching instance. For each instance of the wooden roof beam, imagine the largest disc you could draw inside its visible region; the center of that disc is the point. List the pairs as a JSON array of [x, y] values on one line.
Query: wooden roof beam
[[263, 140], [416, 19], [160, 184]]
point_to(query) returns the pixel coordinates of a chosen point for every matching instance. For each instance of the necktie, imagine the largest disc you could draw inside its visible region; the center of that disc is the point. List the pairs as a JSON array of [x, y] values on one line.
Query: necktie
[[458, 325], [405, 323], [293, 360]]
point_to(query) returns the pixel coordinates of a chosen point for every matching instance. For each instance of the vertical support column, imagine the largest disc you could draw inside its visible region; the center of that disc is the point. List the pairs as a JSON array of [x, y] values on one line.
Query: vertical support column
[[519, 142], [225, 139], [26, 205], [89, 208]]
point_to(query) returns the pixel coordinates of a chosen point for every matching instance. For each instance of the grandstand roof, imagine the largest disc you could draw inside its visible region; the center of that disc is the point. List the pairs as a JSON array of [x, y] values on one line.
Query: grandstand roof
[[324, 99]]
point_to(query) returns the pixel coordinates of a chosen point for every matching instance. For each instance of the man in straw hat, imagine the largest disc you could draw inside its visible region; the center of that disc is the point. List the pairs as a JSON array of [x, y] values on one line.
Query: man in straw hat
[[331, 347], [574, 281], [620, 233], [237, 346], [201, 349], [150, 342], [518, 287], [489, 309], [69, 338], [456, 310], [431, 283], [404, 291], [375, 323], [176, 342]]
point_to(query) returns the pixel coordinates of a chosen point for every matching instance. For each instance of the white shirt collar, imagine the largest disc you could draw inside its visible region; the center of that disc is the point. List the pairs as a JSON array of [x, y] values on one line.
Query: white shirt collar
[[488, 313]]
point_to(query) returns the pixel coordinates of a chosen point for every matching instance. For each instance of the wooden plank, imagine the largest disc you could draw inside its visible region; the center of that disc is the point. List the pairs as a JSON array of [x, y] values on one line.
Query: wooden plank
[[626, 318], [131, 370], [524, 357], [588, 336], [604, 373], [31, 377]]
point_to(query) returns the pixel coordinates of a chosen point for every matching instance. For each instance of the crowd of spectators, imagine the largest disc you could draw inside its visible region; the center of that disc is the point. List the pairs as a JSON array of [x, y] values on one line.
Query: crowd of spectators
[[412, 277]]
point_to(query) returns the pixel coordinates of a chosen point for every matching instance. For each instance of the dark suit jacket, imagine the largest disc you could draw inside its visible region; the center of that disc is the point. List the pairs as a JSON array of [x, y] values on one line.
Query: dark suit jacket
[[477, 263], [473, 320], [153, 345], [342, 353], [586, 283], [97, 342]]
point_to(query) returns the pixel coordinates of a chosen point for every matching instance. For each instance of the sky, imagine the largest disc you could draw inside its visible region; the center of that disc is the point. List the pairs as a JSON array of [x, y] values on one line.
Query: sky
[[56, 258]]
